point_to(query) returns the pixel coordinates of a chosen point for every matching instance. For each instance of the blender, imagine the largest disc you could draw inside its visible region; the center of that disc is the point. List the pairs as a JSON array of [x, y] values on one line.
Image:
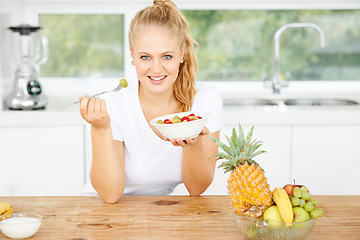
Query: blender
[[30, 50]]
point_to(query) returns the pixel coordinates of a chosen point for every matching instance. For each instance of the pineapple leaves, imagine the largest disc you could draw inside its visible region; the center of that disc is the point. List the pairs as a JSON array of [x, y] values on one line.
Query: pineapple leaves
[[240, 150], [221, 155], [231, 144], [255, 154], [222, 146], [240, 138], [249, 136], [236, 142]]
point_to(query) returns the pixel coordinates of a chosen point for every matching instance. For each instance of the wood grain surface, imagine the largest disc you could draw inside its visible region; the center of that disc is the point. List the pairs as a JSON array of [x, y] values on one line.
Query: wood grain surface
[[167, 217]]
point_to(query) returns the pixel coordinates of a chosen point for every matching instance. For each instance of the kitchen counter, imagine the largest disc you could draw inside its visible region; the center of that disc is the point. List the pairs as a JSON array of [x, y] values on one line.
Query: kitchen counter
[[268, 115], [168, 217]]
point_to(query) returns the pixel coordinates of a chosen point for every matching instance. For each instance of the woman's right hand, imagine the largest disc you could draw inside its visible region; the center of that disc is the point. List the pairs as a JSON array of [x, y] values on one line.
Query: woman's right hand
[[94, 112]]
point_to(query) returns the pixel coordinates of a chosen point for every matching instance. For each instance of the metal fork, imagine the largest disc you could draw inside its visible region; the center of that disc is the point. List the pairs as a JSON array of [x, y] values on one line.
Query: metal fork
[[122, 84]]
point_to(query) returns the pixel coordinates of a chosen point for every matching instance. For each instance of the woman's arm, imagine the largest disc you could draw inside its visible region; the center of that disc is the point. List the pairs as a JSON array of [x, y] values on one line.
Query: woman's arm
[[198, 165], [107, 172]]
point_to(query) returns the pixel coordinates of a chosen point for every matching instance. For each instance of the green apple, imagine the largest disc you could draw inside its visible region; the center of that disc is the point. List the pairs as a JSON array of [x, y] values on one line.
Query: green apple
[[300, 214], [272, 214]]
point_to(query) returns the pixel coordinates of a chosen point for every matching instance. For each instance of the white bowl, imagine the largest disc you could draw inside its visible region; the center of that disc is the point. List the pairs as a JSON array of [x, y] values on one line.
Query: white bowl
[[184, 129], [20, 225]]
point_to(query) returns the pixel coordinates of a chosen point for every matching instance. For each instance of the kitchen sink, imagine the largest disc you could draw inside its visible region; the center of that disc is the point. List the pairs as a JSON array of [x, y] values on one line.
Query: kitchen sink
[[250, 102], [319, 102]]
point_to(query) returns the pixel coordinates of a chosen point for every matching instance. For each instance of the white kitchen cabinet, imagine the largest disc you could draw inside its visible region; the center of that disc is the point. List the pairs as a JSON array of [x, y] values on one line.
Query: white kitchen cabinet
[[327, 158], [41, 160], [275, 162]]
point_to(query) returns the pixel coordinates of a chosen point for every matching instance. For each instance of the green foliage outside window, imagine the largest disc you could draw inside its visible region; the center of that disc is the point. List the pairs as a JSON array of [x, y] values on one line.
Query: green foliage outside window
[[84, 45], [237, 45]]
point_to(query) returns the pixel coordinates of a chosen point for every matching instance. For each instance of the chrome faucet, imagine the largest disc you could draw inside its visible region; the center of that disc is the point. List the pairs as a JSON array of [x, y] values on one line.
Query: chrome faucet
[[276, 80]]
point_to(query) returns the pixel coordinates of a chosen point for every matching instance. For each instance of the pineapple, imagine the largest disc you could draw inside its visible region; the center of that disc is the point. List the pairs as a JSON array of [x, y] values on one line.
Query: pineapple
[[247, 185]]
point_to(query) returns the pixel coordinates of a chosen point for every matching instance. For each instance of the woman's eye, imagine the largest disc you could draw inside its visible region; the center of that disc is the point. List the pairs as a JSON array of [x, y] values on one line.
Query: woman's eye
[[167, 57], [145, 57]]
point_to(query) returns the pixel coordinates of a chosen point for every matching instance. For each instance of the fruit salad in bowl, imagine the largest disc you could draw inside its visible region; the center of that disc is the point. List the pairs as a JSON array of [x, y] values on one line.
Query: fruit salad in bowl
[[181, 125]]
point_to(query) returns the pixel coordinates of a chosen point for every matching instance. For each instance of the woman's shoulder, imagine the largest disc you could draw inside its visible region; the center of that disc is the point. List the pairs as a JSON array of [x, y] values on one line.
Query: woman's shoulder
[[204, 90], [207, 97]]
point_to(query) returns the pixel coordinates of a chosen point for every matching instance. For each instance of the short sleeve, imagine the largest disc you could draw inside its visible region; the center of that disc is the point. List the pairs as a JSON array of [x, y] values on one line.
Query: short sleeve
[[209, 99]]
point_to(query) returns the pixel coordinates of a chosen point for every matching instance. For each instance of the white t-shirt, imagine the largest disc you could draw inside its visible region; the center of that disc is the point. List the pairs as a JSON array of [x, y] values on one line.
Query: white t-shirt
[[152, 165]]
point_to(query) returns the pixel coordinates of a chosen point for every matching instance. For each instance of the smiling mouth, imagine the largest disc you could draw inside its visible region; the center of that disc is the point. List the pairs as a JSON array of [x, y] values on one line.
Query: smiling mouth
[[157, 78]]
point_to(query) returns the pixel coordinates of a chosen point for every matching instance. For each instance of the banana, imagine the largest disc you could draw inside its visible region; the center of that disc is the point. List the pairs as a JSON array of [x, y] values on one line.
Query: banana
[[5, 208], [283, 203]]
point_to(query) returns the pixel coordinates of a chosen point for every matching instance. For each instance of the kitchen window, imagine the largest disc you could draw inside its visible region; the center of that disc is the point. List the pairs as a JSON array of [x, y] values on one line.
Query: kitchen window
[[84, 45], [235, 45], [238, 45], [88, 39]]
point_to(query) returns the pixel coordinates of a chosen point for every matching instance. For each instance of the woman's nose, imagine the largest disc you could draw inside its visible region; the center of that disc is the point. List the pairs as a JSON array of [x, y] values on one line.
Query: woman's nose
[[156, 66]]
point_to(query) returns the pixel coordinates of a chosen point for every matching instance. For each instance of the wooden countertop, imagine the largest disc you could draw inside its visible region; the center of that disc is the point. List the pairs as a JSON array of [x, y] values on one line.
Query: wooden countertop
[[167, 217]]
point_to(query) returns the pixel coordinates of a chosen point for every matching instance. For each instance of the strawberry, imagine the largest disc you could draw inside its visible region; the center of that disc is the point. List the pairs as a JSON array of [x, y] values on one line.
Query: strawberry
[[186, 118], [167, 121]]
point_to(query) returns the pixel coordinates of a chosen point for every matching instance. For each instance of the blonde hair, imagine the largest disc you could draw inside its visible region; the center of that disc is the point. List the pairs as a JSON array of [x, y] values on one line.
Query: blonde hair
[[165, 13]]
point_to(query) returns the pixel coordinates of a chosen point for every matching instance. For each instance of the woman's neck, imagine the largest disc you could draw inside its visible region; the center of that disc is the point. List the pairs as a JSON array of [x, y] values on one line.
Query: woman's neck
[[155, 105]]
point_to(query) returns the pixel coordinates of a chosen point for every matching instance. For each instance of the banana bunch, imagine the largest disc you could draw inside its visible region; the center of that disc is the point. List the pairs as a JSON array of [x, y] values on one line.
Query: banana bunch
[[283, 203], [5, 208]]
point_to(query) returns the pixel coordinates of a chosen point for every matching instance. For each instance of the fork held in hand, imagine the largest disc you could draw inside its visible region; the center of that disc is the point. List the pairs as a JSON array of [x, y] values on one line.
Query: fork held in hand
[[122, 84]]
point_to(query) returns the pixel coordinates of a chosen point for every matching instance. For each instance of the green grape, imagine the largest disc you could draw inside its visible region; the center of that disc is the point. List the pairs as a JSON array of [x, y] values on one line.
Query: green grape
[[309, 206], [304, 189], [315, 213], [306, 195], [123, 83], [314, 201], [321, 211], [302, 202], [295, 201], [297, 192]]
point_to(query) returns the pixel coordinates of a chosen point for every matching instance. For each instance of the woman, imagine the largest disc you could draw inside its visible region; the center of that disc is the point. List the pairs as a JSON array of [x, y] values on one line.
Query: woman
[[130, 156]]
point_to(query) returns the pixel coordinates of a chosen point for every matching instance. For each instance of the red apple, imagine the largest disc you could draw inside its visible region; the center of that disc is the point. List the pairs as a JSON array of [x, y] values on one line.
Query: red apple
[[289, 188]]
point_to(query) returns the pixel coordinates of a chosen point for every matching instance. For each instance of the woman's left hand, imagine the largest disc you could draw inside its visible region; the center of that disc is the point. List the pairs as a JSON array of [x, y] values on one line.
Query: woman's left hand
[[188, 141]]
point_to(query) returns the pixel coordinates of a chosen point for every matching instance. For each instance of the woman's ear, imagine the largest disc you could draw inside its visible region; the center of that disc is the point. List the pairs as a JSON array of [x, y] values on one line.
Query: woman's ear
[[131, 54], [182, 53]]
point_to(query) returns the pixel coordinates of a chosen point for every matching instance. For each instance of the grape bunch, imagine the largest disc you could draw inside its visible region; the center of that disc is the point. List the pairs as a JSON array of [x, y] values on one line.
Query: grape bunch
[[302, 198]]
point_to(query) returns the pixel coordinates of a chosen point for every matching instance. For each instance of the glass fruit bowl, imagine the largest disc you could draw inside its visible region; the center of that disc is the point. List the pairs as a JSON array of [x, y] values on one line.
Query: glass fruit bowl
[[256, 228]]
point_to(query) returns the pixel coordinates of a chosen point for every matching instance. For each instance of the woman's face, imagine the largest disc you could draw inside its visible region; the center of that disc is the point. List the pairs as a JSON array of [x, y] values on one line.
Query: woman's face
[[156, 55]]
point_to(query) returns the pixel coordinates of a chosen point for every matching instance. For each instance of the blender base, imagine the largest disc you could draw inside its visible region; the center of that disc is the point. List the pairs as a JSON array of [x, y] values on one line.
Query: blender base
[[16, 102], [21, 109]]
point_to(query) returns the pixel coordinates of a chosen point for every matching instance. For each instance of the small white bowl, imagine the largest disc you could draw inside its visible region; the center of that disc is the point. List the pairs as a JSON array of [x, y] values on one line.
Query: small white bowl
[[20, 225], [184, 129]]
